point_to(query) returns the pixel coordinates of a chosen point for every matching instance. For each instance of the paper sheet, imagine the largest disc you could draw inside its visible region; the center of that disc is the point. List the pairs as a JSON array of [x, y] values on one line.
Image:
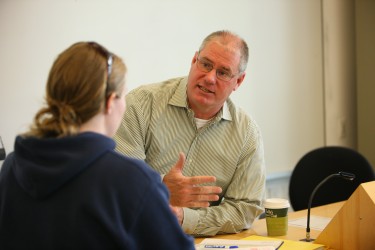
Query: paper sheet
[[316, 222], [215, 243], [289, 244]]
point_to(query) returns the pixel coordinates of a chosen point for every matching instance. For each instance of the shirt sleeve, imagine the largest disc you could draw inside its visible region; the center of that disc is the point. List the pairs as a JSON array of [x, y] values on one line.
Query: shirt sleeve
[[130, 137], [242, 201]]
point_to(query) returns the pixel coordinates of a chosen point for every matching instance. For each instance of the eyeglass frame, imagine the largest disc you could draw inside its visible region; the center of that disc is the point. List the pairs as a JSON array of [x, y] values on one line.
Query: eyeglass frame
[[203, 69]]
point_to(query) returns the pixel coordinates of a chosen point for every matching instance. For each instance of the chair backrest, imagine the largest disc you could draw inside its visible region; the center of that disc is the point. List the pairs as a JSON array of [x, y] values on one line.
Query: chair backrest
[[319, 163], [2, 151]]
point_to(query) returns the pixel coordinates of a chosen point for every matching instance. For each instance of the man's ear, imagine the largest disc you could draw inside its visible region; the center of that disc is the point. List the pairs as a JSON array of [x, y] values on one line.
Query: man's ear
[[239, 81], [194, 58], [109, 103]]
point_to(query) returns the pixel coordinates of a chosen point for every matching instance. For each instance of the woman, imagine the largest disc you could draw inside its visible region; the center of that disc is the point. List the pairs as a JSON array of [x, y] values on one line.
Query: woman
[[64, 186]]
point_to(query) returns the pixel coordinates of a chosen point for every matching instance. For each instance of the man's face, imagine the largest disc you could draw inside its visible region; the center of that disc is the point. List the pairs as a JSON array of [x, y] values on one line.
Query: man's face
[[206, 91]]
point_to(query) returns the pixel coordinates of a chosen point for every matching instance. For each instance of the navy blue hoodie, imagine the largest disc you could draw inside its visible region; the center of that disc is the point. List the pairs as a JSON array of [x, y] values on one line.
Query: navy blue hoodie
[[78, 193]]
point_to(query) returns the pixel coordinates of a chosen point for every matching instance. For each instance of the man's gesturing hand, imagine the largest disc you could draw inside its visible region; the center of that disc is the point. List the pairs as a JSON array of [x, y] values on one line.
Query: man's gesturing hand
[[185, 191]]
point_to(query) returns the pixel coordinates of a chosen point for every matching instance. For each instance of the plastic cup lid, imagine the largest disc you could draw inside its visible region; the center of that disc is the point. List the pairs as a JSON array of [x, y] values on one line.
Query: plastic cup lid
[[276, 203]]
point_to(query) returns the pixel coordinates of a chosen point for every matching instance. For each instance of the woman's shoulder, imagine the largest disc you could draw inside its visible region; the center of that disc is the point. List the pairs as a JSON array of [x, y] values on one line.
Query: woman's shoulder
[[124, 165]]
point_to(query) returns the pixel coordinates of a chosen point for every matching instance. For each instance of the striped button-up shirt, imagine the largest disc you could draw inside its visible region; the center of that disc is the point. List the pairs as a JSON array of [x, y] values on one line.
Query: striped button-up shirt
[[158, 124]]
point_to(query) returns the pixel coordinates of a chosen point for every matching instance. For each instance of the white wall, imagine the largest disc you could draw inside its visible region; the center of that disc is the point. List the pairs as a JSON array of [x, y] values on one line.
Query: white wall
[[157, 40]]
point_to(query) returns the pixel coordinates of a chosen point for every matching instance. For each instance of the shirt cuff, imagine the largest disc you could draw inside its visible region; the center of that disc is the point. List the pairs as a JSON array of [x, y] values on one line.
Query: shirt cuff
[[190, 222], [162, 177]]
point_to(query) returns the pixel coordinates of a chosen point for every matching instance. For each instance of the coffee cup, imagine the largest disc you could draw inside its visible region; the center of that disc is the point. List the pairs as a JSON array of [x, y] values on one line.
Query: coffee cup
[[276, 210]]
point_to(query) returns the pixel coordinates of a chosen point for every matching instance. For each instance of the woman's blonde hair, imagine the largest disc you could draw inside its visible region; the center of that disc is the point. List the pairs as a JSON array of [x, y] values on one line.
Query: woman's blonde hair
[[79, 83]]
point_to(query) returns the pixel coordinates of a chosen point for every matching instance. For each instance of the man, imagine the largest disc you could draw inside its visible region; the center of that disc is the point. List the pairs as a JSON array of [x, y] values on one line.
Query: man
[[195, 116]]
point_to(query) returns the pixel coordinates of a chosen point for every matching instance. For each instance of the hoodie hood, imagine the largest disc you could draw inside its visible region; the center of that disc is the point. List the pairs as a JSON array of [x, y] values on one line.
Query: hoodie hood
[[42, 166]]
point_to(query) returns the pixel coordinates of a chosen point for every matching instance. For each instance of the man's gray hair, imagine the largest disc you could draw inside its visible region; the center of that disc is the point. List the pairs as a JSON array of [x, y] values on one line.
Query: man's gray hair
[[225, 34]]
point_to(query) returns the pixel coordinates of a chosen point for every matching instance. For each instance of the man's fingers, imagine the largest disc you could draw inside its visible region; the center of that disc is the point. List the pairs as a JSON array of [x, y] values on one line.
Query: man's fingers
[[195, 180], [204, 190], [198, 204], [207, 197], [195, 200]]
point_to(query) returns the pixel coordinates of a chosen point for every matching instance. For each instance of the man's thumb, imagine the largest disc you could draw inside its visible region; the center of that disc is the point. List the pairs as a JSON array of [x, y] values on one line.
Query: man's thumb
[[180, 163]]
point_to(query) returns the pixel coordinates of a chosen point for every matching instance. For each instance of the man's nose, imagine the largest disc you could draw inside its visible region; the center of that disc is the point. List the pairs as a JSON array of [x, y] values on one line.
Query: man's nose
[[211, 76]]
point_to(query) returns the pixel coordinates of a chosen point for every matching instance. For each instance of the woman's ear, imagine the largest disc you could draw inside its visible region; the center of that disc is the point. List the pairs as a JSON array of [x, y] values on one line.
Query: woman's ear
[[109, 103]]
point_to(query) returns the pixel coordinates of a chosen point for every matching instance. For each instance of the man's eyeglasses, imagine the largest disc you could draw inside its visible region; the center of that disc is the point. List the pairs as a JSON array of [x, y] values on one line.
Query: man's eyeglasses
[[109, 58], [206, 66]]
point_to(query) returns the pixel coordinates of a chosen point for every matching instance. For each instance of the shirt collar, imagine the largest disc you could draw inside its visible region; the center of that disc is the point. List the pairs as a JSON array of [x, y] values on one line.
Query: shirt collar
[[179, 99]]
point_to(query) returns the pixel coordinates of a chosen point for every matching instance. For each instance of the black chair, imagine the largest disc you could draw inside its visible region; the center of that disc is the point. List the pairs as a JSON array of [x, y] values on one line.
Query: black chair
[[2, 150], [319, 163]]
